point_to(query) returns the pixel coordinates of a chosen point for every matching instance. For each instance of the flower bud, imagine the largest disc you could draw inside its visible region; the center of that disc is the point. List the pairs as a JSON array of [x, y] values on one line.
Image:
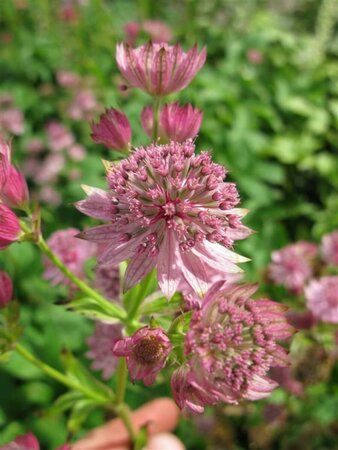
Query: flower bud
[[113, 130], [6, 289], [9, 227]]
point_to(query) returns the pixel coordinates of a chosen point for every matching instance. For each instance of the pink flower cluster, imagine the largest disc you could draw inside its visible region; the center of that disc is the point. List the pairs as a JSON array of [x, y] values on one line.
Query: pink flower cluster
[[230, 346], [11, 117], [170, 209], [299, 268]]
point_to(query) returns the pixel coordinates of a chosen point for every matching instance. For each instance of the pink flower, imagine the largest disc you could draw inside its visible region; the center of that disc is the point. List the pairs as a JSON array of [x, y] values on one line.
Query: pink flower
[[77, 153], [100, 345], [67, 79], [176, 123], [107, 281], [71, 252], [28, 442], [59, 137], [9, 227], [231, 344], [132, 30], [13, 186], [322, 298], [168, 209], [158, 31], [12, 120], [329, 248], [159, 69], [146, 353], [6, 289], [254, 56], [113, 130], [292, 266], [84, 102]]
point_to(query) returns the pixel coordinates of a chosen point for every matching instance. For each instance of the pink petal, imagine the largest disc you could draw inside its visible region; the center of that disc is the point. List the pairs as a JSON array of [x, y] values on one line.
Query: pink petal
[[168, 270]]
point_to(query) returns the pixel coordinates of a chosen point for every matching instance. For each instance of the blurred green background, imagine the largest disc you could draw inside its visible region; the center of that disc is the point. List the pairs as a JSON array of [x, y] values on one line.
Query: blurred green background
[[269, 93]]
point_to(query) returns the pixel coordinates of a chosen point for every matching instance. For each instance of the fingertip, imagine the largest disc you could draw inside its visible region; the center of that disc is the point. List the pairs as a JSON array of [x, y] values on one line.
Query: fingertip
[[164, 441]]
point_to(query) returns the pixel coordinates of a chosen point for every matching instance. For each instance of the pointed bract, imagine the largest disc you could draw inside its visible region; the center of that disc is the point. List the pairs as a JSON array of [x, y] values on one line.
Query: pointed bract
[[113, 130], [9, 227]]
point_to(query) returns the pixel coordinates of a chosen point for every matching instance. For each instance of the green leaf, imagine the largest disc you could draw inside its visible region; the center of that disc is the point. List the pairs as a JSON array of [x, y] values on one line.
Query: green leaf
[[79, 413], [64, 402], [90, 308]]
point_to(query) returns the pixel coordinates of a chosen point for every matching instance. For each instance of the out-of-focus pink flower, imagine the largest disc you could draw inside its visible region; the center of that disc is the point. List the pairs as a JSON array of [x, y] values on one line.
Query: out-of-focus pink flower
[[146, 352], [6, 289], [113, 130], [176, 123], [292, 266], [67, 79], [301, 320], [158, 31], [322, 298], [13, 186], [168, 209], [25, 442], [50, 195], [107, 281], [132, 30], [77, 152], [83, 103], [12, 120], [232, 343], [283, 376], [71, 252], [159, 69], [59, 137], [254, 56], [100, 346], [35, 145], [28, 442], [9, 227], [50, 168], [329, 248], [68, 13]]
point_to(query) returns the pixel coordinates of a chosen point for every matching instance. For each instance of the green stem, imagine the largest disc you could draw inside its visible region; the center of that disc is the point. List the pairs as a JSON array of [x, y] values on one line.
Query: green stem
[[124, 414], [118, 311], [156, 117], [60, 377], [121, 381]]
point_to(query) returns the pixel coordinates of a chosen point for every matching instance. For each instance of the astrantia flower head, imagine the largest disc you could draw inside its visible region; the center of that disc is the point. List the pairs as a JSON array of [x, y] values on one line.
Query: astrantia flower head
[[28, 442], [6, 289], [168, 209], [13, 186], [113, 130], [322, 298], [100, 345], [232, 343], [107, 281], [9, 227], [71, 252], [292, 266], [176, 123], [329, 248], [146, 352], [159, 69]]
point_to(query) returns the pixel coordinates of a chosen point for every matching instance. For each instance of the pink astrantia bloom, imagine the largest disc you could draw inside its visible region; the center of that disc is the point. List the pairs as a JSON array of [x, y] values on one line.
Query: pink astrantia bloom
[[232, 343], [113, 130], [12, 120], [158, 31], [13, 186], [107, 281], [168, 209], [100, 345], [9, 227], [292, 266], [159, 69], [67, 79], [176, 123], [71, 252], [28, 442], [146, 352], [322, 298], [6, 289], [83, 103], [329, 248], [59, 137]]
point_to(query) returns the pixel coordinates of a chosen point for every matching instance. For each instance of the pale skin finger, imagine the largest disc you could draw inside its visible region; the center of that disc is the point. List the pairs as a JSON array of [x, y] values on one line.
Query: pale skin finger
[[160, 415]]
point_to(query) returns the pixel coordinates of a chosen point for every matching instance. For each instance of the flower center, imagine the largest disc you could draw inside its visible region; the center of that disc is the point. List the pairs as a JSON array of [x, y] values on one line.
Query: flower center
[[148, 351]]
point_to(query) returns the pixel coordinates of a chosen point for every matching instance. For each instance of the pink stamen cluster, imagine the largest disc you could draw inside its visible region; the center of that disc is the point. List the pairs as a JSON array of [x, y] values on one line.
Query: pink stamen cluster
[[146, 353], [168, 209], [231, 345], [159, 69]]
